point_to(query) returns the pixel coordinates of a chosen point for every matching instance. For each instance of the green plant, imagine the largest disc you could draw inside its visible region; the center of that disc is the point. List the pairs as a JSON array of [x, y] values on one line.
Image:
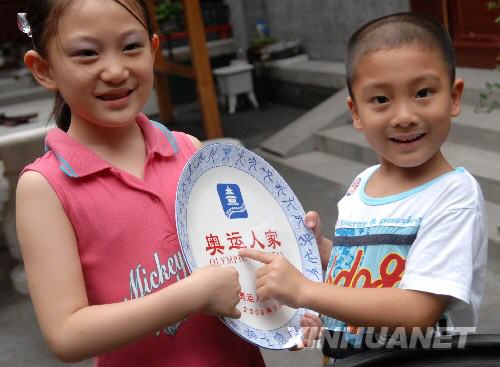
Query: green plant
[[259, 42], [487, 101], [168, 13]]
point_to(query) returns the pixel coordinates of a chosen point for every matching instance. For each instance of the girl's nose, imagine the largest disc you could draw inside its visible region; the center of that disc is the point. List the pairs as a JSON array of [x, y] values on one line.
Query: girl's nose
[[114, 72]]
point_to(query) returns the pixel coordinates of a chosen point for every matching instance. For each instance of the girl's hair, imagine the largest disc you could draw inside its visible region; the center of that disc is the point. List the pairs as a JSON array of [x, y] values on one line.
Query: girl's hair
[[43, 18]]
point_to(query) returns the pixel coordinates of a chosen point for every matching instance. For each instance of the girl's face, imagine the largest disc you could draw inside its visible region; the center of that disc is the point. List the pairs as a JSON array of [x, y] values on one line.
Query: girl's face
[[101, 61]]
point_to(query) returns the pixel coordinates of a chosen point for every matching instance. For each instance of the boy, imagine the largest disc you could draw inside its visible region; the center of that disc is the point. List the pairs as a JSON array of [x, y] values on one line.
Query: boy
[[410, 240]]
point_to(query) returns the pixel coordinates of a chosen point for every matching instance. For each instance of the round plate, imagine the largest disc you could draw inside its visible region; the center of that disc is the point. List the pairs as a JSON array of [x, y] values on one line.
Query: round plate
[[230, 198]]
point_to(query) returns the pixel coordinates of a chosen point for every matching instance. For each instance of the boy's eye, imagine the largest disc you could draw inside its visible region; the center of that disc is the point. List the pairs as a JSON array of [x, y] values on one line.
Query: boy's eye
[[423, 93], [380, 99]]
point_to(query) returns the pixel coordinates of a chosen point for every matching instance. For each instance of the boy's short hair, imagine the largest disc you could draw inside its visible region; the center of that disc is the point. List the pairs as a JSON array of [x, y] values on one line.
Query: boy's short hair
[[393, 31]]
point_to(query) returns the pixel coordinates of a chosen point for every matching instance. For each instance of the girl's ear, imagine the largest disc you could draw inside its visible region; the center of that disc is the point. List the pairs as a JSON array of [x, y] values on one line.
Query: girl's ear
[[40, 69], [356, 121], [456, 97], [155, 43]]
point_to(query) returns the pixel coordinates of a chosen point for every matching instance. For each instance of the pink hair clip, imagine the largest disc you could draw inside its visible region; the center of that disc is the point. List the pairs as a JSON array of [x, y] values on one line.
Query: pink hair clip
[[23, 25]]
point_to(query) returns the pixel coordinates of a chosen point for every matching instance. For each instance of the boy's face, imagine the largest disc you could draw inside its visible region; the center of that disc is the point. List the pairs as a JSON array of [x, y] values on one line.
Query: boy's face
[[404, 103]]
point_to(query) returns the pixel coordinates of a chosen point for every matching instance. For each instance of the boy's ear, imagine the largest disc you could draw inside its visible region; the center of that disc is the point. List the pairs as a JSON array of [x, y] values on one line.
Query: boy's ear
[[356, 121], [155, 43], [456, 97], [40, 69]]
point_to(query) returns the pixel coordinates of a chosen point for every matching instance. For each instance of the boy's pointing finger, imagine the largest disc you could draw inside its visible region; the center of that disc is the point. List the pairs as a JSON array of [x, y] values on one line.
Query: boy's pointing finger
[[260, 256]]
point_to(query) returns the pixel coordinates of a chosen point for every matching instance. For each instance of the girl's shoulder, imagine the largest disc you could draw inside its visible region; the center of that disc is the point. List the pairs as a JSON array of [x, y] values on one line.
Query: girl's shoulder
[[32, 187], [42, 165]]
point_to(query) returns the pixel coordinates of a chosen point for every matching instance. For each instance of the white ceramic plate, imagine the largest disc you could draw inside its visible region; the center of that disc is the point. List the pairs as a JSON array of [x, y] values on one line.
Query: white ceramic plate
[[228, 198]]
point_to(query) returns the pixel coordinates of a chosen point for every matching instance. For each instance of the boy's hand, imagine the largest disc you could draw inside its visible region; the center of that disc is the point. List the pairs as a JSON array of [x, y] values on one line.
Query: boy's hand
[[277, 279], [219, 289], [313, 222], [312, 328]]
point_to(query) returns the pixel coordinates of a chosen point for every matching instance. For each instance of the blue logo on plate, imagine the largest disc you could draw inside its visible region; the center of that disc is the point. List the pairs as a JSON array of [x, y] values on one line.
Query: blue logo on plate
[[232, 201]]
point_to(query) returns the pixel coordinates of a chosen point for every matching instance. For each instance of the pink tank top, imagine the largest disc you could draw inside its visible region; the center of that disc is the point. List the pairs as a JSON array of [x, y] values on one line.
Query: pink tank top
[[128, 245]]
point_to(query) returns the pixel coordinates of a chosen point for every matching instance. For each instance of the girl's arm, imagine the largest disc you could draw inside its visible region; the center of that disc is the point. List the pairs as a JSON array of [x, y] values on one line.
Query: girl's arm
[[370, 307], [73, 329], [325, 245]]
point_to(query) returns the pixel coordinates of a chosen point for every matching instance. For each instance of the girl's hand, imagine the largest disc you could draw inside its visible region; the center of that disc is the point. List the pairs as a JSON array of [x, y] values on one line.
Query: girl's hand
[[277, 279], [219, 289], [313, 222]]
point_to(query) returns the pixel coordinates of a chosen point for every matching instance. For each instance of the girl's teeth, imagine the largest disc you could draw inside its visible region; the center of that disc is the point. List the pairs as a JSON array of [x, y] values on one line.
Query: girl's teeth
[[113, 97]]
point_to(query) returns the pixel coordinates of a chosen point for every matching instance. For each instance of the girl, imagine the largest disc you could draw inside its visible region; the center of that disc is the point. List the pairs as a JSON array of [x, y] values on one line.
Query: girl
[[95, 214]]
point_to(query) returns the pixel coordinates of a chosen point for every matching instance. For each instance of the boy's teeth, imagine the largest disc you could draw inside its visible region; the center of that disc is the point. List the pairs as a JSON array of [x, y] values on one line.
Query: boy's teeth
[[407, 139]]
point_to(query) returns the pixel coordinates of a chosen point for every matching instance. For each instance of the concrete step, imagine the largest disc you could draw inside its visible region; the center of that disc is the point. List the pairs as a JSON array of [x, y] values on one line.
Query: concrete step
[[347, 143], [339, 173], [476, 129], [493, 212], [9, 82], [13, 94], [298, 137], [335, 169]]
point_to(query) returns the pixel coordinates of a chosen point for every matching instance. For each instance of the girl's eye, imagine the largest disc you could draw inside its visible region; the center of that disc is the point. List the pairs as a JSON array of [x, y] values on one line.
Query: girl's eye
[[380, 99], [86, 53], [423, 93], [132, 46]]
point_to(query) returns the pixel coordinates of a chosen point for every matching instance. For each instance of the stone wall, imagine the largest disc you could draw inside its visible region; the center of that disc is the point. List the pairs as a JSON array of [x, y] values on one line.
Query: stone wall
[[323, 26]]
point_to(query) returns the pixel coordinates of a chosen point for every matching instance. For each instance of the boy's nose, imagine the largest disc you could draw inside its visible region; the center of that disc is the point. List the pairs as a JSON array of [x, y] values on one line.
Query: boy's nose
[[403, 115]]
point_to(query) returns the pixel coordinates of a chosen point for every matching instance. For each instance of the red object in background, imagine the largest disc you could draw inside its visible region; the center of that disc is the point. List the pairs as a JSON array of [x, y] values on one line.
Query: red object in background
[[475, 35]]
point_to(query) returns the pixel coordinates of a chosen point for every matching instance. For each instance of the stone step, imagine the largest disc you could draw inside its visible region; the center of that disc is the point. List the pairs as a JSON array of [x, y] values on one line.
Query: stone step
[[10, 81], [339, 173], [22, 90], [335, 169], [476, 129], [348, 143], [493, 212]]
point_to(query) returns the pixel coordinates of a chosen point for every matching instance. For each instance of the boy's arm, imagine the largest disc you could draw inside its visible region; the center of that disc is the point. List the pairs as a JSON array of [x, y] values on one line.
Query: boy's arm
[[370, 307], [374, 307]]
